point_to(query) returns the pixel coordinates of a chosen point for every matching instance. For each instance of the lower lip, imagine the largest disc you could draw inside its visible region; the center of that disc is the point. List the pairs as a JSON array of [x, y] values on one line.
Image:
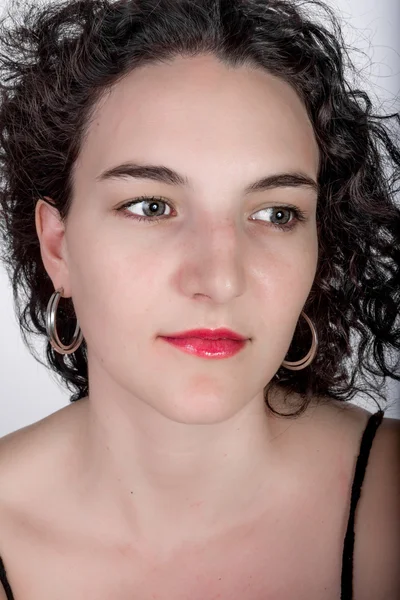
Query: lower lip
[[207, 348]]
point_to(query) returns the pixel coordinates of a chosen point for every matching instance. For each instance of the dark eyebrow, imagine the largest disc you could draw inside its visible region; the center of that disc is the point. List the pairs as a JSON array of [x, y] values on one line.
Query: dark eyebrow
[[282, 180], [171, 177], [154, 172]]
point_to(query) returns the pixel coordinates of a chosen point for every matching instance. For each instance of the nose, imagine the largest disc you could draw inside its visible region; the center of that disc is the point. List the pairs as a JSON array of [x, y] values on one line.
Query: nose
[[213, 263]]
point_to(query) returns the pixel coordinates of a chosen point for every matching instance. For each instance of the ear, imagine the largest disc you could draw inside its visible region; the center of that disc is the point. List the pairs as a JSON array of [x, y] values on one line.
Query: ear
[[51, 233]]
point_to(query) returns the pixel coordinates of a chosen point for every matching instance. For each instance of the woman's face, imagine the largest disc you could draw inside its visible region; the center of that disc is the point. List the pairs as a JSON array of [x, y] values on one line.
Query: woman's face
[[214, 259]]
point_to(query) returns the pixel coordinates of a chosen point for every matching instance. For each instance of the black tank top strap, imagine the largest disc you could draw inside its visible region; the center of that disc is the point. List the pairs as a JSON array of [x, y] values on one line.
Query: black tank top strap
[[4, 581], [361, 465]]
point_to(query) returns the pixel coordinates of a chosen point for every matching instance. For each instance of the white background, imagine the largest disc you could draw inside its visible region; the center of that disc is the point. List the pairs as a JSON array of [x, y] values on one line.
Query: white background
[[28, 391]]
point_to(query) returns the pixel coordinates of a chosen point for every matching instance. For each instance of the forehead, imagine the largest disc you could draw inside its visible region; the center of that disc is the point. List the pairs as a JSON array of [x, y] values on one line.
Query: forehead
[[204, 114]]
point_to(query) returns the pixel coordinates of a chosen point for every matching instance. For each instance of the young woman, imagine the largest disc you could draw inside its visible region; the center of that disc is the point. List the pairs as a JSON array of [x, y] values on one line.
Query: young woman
[[198, 211]]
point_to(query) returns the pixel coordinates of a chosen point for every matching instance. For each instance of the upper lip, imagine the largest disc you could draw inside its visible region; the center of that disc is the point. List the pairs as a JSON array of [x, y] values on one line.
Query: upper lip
[[209, 334]]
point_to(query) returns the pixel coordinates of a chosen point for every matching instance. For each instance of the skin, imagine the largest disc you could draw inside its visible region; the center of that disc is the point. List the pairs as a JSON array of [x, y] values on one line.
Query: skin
[[208, 266]]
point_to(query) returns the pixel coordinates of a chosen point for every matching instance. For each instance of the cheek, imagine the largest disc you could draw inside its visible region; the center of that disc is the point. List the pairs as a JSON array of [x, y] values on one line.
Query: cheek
[[113, 288], [282, 286], [284, 281]]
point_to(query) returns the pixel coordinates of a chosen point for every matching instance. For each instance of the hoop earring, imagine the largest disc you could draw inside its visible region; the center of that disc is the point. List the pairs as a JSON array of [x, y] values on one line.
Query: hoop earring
[[297, 365], [52, 329]]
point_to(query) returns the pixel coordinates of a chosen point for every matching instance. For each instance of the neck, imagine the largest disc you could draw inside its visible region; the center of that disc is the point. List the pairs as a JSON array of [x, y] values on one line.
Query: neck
[[167, 480]]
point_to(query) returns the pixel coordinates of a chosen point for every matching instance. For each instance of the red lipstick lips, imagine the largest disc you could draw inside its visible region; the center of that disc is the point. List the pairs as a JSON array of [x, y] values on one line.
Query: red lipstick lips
[[208, 334], [208, 343]]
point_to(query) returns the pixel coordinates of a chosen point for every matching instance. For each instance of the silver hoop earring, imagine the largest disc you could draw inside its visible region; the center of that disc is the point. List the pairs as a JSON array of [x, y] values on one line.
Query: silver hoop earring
[[297, 365], [52, 329]]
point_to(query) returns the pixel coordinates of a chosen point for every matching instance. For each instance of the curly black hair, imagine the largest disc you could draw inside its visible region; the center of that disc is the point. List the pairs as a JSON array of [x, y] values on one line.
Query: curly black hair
[[58, 59]]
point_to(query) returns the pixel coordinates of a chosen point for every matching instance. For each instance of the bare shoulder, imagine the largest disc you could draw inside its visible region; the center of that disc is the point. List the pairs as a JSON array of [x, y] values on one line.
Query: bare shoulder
[[376, 573], [30, 454], [377, 528], [2, 593], [18, 453]]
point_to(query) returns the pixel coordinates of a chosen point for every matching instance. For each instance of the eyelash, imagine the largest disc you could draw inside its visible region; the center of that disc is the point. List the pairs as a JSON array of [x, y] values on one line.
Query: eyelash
[[299, 215]]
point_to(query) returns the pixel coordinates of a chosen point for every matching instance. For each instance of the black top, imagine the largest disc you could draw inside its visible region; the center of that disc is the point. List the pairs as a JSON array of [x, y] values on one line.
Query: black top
[[347, 560]]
